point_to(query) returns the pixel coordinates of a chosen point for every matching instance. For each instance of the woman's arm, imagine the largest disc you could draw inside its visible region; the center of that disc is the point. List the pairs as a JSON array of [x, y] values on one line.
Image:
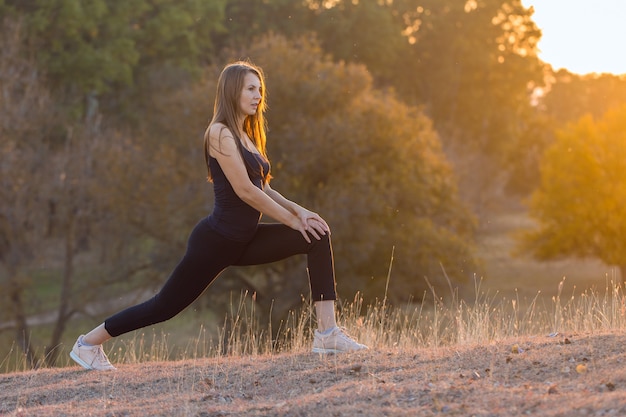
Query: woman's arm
[[282, 201], [312, 219], [224, 148]]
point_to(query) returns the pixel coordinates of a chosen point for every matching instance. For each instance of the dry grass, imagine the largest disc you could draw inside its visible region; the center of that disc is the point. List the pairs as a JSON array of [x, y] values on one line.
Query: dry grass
[[485, 358], [567, 375]]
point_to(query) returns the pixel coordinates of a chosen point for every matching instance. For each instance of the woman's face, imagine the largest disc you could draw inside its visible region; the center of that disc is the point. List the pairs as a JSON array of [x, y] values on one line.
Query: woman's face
[[251, 95]]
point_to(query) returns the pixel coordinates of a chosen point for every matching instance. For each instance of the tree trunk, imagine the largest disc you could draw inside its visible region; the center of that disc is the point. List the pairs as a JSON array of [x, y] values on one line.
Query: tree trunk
[[22, 332], [52, 351]]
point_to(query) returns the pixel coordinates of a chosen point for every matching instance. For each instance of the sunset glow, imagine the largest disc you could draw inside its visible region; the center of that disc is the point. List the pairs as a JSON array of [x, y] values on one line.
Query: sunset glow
[[582, 36]]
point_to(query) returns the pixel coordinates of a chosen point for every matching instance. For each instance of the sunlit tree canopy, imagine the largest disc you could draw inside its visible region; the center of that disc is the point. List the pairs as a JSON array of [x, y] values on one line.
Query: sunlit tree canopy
[[580, 203]]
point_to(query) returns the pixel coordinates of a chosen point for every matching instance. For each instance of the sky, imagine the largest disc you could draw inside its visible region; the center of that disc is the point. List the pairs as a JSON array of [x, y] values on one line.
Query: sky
[[582, 36]]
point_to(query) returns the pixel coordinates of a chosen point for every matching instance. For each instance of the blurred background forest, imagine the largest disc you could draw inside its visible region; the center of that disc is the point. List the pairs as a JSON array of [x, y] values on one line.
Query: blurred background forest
[[424, 131]]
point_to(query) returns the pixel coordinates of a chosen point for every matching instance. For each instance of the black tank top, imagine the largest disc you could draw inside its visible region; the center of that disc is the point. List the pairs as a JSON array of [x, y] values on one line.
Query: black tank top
[[231, 216]]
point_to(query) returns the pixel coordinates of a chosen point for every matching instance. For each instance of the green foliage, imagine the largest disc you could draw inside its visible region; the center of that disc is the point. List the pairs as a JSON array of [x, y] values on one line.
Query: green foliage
[[365, 32], [580, 201], [99, 46], [244, 20]]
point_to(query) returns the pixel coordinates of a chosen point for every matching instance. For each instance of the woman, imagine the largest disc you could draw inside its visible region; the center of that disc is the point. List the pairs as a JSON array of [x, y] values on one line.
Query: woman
[[234, 149]]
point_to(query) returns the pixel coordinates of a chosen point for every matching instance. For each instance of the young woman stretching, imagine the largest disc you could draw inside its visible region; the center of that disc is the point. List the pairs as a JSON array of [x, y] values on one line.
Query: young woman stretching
[[234, 149]]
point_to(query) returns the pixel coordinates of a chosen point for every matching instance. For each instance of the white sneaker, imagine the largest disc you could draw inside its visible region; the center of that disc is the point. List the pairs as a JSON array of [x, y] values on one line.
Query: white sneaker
[[90, 357], [337, 341]]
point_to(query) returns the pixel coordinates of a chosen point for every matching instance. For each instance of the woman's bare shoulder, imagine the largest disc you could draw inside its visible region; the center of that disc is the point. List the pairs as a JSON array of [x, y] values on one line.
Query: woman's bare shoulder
[[219, 131], [221, 140]]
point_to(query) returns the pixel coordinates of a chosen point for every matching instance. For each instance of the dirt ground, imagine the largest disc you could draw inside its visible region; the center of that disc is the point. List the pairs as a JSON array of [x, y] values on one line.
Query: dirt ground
[[562, 375]]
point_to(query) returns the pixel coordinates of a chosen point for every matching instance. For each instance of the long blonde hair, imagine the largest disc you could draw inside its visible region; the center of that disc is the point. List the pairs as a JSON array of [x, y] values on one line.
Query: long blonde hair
[[226, 109]]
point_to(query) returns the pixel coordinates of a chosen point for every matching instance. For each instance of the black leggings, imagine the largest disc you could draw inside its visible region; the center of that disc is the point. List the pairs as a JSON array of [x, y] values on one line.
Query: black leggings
[[209, 253]]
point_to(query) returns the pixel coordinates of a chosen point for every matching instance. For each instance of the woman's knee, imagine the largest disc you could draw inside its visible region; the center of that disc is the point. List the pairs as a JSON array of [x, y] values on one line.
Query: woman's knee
[[323, 243]]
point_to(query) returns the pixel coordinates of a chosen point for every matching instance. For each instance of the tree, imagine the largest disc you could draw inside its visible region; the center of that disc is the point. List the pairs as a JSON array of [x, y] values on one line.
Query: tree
[[525, 155], [569, 97], [566, 98], [43, 188], [364, 32], [371, 165], [23, 213], [580, 201], [105, 52], [245, 20], [471, 65], [53, 204]]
